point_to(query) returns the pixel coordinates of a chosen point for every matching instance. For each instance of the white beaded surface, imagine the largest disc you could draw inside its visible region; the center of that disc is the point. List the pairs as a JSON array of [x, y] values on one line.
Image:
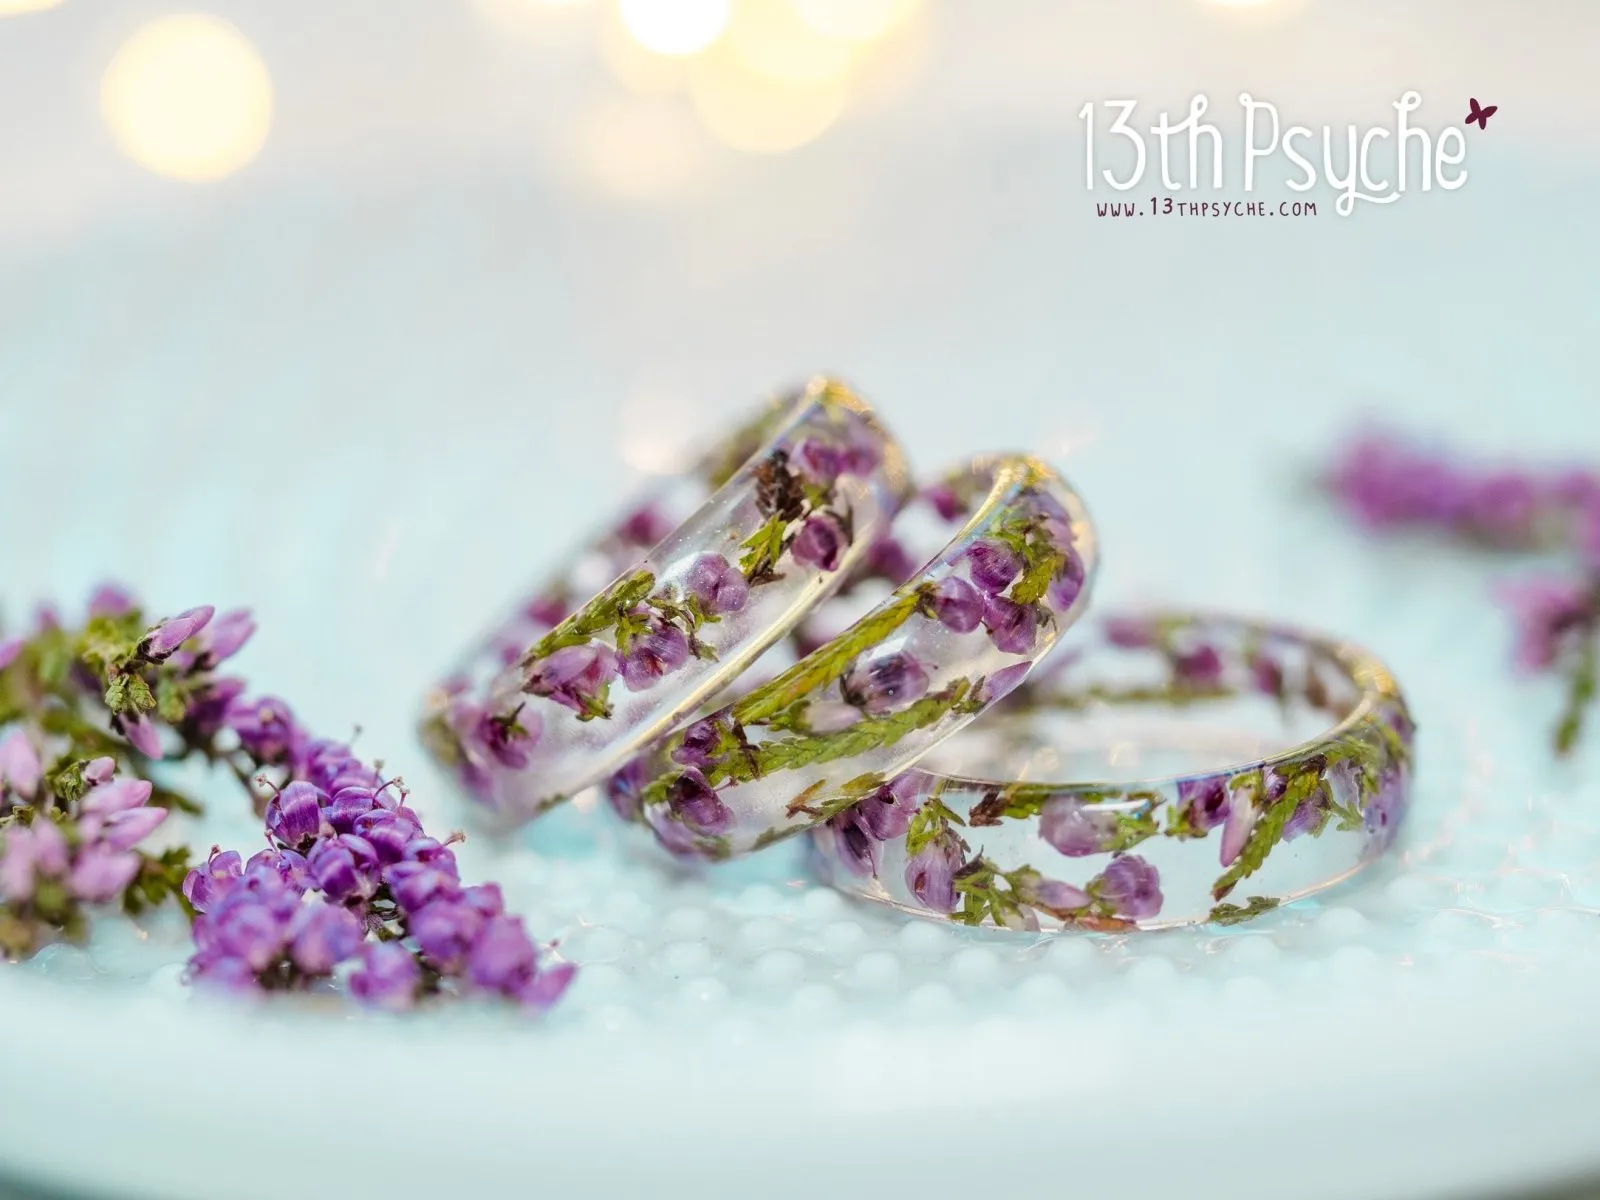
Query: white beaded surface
[[376, 468]]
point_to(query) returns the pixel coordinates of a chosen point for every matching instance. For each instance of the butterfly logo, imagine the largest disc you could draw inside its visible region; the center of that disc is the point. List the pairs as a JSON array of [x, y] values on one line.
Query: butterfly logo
[[1481, 115]]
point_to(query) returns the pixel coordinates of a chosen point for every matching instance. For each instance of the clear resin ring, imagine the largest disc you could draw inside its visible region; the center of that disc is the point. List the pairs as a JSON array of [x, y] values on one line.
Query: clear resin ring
[[669, 605], [946, 645], [1219, 842]]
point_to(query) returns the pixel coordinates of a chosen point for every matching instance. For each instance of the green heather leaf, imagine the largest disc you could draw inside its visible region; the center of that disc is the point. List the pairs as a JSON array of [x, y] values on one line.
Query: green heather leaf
[[116, 695], [817, 670], [1035, 579], [870, 733], [171, 702], [927, 823], [763, 549], [1266, 832], [1581, 686], [139, 696], [1233, 914], [597, 616]]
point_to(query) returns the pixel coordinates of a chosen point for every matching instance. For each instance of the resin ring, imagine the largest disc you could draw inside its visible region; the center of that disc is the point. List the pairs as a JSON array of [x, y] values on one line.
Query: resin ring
[[945, 646], [704, 575], [1223, 844]]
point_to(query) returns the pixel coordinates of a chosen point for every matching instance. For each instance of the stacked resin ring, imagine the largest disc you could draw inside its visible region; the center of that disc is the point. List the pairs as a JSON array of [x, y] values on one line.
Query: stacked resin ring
[[669, 606], [946, 646], [1223, 844]]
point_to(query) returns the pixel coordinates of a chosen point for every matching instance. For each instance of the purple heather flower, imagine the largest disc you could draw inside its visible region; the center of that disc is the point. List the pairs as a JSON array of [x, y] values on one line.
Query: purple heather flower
[[125, 830], [650, 655], [275, 870], [1267, 675], [931, 873], [885, 683], [388, 976], [166, 637], [1206, 802], [575, 676], [265, 728], [1243, 811], [853, 846], [1544, 609], [1130, 886], [10, 649], [344, 867], [208, 708], [1013, 627], [1307, 815], [546, 611], [27, 854], [1052, 895], [100, 873], [695, 803], [888, 559], [509, 739], [942, 498], [502, 957], [1381, 817], [100, 770], [818, 461], [717, 584], [142, 736], [389, 833], [698, 745], [110, 600], [294, 815], [957, 605], [1129, 633], [206, 884], [321, 936], [547, 986], [645, 526], [413, 883], [1200, 667], [445, 930], [993, 565], [821, 542], [1074, 828], [227, 635], [348, 805], [886, 813], [1003, 682], [624, 790], [1504, 507], [20, 769], [1067, 585]]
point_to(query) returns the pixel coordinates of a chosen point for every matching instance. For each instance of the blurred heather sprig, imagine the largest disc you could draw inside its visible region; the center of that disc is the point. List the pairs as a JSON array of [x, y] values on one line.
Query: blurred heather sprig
[[1388, 481], [349, 883]]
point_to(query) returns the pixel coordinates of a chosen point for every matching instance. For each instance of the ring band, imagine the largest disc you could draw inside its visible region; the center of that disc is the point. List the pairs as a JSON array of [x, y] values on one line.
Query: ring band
[[945, 646], [1154, 853], [568, 689]]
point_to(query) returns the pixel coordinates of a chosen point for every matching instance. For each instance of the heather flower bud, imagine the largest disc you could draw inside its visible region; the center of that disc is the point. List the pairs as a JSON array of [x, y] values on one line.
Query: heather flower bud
[[821, 542], [10, 651], [695, 804], [294, 815], [1130, 887], [388, 976], [663, 648], [100, 873], [1013, 627], [717, 584], [957, 605], [884, 684], [20, 770], [993, 565], [931, 873], [166, 637]]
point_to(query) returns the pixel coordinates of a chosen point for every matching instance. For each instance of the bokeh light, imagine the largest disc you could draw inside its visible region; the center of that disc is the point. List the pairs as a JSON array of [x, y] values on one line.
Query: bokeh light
[[760, 113], [769, 37], [638, 150], [854, 20], [188, 97], [674, 27], [11, 8], [634, 67]]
